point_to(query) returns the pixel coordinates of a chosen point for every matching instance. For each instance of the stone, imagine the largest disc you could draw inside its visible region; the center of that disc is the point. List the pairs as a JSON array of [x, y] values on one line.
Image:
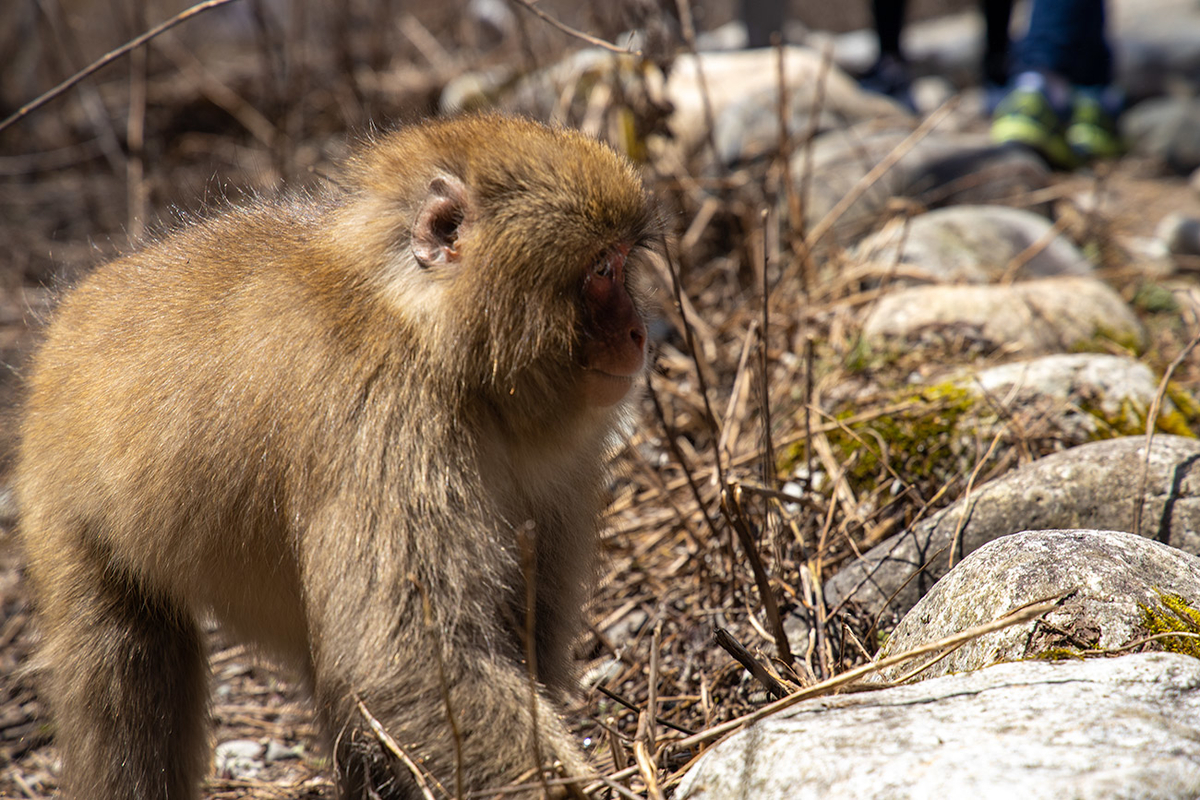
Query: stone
[[942, 169], [1105, 576], [1166, 128], [1090, 486], [748, 128], [240, 759], [566, 90], [276, 751], [973, 244], [1084, 393], [1180, 234], [743, 92], [928, 92], [1029, 317], [490, 23], [1156, 45], [1099, 729]]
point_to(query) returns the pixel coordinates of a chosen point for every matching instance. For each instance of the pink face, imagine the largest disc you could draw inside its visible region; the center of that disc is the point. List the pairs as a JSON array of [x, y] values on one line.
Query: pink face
[[614, 344]]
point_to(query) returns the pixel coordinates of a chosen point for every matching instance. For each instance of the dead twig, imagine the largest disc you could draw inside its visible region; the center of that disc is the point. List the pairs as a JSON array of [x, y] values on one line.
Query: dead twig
[[110, 57], [1139, 501], [529, 571], [219, 94], [567, 29], [611, 695], [646, 765], [743, 656], [731, 502], [443, 682], [395, 749], [1016, 617], [864, 183], [688, 29]]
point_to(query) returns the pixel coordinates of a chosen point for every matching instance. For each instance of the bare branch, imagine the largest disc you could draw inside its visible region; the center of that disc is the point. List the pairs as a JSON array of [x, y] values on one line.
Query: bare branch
[[110, 57], [529, 6]]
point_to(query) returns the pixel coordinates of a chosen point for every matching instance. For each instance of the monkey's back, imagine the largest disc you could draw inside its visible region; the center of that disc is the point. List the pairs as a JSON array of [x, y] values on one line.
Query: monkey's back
[[162, 406]]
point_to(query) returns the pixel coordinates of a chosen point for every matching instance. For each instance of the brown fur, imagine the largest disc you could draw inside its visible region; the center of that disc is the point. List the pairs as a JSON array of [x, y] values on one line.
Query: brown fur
[[279, 417]]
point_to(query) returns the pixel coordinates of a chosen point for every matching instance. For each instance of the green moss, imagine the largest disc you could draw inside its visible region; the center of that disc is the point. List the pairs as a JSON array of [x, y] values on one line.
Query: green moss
[[865, 358], [1104, 337], [1130, 417], [1173, 614], [1185, 419], [930, 438], [1058, 654], [1154, 298]]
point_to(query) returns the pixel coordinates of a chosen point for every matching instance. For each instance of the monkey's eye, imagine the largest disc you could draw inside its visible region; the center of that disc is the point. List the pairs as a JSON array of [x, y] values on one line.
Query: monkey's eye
[[609, 265]]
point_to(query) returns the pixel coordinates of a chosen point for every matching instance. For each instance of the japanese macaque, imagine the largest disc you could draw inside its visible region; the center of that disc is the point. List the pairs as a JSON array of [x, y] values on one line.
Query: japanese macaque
[[365, 430]]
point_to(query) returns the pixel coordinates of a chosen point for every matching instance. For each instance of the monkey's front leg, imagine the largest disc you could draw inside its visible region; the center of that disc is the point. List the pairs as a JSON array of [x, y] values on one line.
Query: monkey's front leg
[[476, 722]]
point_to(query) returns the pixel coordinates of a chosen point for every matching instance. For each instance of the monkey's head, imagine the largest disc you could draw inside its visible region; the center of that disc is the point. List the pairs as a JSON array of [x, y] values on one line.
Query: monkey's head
[[518, 252]]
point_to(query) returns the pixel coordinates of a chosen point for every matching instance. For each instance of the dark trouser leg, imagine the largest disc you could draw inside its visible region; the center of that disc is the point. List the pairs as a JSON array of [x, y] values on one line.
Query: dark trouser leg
[[1066, 37]]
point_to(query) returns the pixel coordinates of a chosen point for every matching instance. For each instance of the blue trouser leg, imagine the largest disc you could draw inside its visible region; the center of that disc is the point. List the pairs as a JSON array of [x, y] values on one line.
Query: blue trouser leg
[[1067, 37]]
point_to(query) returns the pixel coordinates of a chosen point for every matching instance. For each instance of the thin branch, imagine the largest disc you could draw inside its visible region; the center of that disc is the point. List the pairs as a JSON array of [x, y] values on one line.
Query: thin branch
[[744, 657], [395, 749], [768, 466], [444, 683], [648, 769], [619, 789], [688, 475], [878, 171], [218, 93], [688, 29], [108, 58], [1139, 642], [529, 570], [1016, 617], [967, 503], [1139, 500], [611, 695], [567, 29], [690, 340], [731, 503], [652, 700]]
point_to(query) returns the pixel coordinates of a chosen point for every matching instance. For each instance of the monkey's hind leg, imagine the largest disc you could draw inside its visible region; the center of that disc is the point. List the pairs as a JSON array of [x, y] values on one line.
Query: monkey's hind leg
[[127, 683]]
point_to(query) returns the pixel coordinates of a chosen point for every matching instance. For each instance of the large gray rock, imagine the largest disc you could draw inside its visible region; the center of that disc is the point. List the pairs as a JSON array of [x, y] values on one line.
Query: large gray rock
[[972, 244], [1082, 393], [553, 92], [1156, 44], [743, 92], [1104, 729], [1030, 317], [1100, 378], [943, 169], [1090, 486], [1180, 233], [1107, 577], [748, 127], [1167, 128]]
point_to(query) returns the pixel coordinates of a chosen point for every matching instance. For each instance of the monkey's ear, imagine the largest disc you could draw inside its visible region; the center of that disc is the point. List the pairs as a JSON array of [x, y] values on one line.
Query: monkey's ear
[[440, 223]]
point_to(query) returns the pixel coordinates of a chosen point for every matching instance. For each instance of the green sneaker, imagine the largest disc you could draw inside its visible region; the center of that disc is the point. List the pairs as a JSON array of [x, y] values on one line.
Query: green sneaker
[[1092, 133], [1026, 117]]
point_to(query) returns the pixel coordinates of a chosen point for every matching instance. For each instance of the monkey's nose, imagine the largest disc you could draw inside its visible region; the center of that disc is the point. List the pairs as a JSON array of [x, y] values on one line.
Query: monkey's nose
[[638, 335]]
